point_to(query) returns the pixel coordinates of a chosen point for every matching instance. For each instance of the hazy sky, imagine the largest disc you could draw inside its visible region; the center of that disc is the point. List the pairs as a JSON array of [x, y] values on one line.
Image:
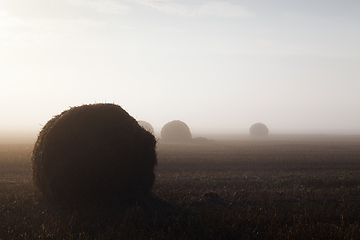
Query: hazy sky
[[221, 65]]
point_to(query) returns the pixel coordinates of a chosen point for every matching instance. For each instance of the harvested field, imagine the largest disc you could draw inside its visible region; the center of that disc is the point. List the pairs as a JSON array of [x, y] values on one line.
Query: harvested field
[[279, 187]]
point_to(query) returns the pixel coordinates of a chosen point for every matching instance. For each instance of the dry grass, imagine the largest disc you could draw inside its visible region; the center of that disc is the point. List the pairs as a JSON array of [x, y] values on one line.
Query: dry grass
[[274, 188]]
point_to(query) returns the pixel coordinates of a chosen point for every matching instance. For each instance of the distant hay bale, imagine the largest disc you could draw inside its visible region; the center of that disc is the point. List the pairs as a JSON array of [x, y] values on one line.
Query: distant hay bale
[[147, 126], [201, 140], [176, 131], [259, 130], [94, 151]]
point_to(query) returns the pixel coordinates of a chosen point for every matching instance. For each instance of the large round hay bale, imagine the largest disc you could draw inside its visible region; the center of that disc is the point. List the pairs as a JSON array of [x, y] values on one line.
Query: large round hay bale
[[147, 126], [94, 151], [259, 130], [176, 131]]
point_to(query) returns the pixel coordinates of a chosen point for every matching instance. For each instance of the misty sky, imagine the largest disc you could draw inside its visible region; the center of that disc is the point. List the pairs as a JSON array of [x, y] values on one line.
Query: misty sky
[[220, 65]]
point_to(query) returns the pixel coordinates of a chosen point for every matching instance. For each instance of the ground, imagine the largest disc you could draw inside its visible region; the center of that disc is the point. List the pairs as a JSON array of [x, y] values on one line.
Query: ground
[[278, 187]]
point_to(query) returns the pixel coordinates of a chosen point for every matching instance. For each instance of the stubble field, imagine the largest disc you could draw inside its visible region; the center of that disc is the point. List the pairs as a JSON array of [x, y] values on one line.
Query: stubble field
[[279, 187]]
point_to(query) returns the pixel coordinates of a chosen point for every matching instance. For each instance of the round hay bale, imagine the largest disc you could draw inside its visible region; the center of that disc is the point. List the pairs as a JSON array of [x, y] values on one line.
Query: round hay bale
[[201, 140], [147, 126], [94, 151], [176, 131], [259, 130]]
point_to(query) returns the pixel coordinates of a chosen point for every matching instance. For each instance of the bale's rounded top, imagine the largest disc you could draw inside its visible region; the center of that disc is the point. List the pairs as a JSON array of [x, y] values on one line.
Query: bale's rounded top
[[147, 126], [176, 131], [259, 130]]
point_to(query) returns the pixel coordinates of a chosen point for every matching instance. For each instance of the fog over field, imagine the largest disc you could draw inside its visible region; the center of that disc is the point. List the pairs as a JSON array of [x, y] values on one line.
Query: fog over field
[[219, 66]]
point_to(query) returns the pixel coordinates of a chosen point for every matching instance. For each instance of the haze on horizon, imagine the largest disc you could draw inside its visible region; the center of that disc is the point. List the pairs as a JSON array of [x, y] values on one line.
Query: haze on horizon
[[219, 66]]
